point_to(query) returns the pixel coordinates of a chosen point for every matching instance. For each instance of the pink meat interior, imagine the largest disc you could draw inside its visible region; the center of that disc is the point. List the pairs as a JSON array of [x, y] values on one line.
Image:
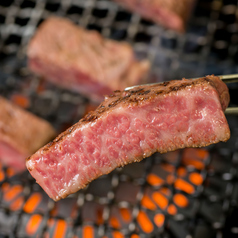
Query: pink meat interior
[[185, 118]]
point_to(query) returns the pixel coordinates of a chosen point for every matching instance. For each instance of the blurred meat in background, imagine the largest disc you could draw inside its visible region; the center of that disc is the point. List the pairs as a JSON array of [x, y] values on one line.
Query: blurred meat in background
[[21, 133], [170, 13], [83, 61]]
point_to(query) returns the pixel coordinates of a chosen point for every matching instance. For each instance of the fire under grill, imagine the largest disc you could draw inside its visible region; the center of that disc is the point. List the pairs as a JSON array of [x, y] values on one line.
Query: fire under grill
[[186, 193]]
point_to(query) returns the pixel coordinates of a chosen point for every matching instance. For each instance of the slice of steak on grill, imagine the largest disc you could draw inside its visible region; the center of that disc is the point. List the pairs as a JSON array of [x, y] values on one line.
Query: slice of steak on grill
[[129, 126], [172, 14], [82, 60], [21, 134]]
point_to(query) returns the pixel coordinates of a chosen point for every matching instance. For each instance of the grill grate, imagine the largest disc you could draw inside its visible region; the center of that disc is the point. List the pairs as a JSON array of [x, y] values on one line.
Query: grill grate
[[187, 193]]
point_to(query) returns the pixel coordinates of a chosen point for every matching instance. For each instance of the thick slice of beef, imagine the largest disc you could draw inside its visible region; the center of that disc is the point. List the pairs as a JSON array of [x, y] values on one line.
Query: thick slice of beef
[[172, 14], [129, 126], [21, 134], [82, 60]]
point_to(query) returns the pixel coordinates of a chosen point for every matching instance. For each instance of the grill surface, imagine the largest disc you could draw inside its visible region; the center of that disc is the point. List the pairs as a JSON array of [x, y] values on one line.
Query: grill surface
[[187, 193]]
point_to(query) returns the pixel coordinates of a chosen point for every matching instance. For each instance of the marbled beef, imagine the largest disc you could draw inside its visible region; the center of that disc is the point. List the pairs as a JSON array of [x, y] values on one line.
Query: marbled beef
[[129, 126]]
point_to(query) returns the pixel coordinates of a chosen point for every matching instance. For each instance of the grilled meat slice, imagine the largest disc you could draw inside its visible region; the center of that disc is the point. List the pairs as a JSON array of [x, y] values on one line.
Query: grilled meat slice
[[129, 126], [82, 60], [21, 134]]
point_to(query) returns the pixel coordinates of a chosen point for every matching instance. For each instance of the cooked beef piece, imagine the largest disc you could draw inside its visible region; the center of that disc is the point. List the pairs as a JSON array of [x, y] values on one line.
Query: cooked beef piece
[[172, 14], [82, 60], [129, 126], [21, 134]]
